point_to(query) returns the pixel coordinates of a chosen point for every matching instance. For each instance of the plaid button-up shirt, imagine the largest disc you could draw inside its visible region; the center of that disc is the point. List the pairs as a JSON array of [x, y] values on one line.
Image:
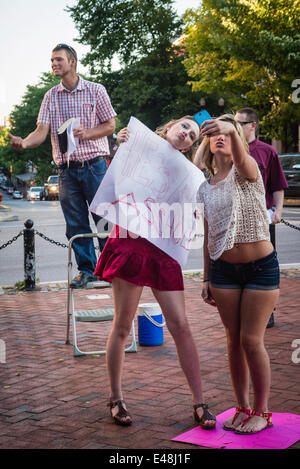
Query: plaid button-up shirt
[[90, 103]]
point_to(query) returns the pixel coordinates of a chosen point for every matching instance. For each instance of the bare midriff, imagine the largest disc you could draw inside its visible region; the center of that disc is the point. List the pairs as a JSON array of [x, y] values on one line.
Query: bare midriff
[[247, 252]]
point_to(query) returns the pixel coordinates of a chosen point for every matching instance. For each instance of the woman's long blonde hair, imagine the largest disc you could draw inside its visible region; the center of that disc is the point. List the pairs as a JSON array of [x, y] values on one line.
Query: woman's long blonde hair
[[208, 159], [162, 132]]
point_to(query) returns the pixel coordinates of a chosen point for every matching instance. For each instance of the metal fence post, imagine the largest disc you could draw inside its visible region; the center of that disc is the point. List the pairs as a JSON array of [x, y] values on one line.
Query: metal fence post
[[29, 256]]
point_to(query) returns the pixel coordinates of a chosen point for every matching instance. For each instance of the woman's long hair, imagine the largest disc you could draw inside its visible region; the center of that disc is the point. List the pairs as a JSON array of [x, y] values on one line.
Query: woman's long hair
[[162, 132], [208, 159]]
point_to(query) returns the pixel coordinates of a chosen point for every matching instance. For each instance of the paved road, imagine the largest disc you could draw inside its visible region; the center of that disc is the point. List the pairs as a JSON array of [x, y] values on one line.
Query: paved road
[[51, 260]]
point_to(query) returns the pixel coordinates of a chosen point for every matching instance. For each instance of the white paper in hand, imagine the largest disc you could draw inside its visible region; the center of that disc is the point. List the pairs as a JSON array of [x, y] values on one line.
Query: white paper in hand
[[150, 190], [72, 141]]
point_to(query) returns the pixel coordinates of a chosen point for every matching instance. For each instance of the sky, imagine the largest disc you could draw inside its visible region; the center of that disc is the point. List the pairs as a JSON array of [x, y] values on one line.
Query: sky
[[29, 29]]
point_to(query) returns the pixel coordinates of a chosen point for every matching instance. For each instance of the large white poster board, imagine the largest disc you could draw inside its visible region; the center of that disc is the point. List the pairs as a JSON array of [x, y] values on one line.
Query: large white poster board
[[150, 189]]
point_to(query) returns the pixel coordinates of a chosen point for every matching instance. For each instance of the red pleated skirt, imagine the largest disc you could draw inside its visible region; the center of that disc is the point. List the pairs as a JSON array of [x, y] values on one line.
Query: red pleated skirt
[[138, 261]]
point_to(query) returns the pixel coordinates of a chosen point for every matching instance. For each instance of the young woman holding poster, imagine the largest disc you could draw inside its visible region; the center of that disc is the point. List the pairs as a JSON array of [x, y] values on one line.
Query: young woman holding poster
[[130, 263], [241, 271]]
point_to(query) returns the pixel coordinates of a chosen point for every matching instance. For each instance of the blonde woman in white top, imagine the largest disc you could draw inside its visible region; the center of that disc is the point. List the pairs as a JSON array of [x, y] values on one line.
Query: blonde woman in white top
[[241, 271]]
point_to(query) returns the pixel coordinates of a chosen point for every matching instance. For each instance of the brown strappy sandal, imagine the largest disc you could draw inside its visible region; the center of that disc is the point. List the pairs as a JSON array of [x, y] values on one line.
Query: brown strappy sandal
[[119, 417], [205, 417]]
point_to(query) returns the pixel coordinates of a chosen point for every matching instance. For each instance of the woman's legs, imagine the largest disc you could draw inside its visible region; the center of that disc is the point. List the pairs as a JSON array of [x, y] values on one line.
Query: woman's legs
[[228, 303], [126, 298], [245, 316], [173, 308], [256, 306]]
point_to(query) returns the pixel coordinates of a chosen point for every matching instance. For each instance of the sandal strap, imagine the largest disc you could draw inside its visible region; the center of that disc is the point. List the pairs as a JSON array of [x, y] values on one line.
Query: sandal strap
[[121, 417], [206, 414], [238, 410], [112, 403], [122, 412], [266, 415]]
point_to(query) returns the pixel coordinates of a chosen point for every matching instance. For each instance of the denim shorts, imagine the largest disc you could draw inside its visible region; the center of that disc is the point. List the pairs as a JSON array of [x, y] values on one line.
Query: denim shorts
[[262, 274]]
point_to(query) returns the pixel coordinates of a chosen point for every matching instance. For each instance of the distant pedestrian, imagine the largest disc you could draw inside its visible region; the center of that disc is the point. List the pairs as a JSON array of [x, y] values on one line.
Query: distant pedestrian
[[80, 177], [271, 170]]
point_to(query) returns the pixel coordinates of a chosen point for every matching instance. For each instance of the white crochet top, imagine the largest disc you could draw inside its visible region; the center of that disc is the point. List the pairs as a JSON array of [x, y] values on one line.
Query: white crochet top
[[235, 210]]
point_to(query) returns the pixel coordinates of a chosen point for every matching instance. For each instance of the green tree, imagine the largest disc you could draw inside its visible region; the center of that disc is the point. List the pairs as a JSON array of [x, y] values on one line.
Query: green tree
[[3, 136], [152, 89], [130, 29], [250, 52], [23, 121], [151, 82], [6, 160], [3, 144]]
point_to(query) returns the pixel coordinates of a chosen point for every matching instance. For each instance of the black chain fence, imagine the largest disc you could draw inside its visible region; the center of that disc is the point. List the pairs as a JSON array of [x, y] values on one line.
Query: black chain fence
[[12, 240], [43, 236], [28, 234], [57, 243], [62, 245], [290, 225], [29, 250]]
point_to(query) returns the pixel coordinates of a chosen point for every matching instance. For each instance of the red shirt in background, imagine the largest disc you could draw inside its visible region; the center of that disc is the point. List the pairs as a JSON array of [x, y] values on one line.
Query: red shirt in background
[[270, 167]]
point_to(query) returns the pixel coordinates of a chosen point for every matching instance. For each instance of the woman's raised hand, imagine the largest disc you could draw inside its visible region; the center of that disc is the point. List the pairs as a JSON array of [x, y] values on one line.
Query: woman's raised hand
[[216, 127], [123, 135]]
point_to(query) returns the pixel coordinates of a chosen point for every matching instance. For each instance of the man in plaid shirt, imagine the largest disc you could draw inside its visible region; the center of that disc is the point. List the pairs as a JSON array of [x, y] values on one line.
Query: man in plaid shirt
[[81, 174]]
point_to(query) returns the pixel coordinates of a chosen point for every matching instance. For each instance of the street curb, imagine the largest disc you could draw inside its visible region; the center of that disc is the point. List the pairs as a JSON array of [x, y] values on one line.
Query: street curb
[[4, 208], [4, 217], [43, 287], [286, 271], [11, 218]]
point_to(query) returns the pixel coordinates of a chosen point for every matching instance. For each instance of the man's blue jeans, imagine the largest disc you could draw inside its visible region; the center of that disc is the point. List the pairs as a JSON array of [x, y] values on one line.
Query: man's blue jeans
[[77, 187]]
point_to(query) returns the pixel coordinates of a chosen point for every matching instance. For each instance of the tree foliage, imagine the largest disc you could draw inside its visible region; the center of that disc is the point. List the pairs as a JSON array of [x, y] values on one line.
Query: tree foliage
[[130, 29], [4, 165], [153, 90], [6, 160], [23, 121], [151, 82], [250, 52]]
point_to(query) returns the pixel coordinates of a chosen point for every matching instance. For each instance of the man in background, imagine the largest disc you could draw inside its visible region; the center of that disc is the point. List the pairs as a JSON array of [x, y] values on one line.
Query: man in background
[[81, 173]]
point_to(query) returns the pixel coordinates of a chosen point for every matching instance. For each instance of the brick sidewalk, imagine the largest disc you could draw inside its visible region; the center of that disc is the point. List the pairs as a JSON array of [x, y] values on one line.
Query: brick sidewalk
[[50, 399]]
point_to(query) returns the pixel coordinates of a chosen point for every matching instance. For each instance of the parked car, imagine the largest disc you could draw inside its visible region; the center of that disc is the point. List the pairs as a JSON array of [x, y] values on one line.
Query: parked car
[[291, 166], [51, 190], [17, 195], [35, 193], [10, 190]]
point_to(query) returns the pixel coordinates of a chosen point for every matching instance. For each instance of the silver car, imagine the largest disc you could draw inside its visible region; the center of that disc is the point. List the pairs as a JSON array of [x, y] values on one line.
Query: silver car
[[34, 193], [17, 195]]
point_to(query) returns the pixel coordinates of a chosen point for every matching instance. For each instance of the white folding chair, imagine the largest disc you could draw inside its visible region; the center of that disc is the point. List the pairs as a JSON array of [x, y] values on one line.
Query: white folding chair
[[95, 315]]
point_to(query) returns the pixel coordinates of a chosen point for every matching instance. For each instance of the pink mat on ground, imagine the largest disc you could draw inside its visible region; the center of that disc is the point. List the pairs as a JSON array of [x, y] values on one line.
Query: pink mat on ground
[[284, 433]]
